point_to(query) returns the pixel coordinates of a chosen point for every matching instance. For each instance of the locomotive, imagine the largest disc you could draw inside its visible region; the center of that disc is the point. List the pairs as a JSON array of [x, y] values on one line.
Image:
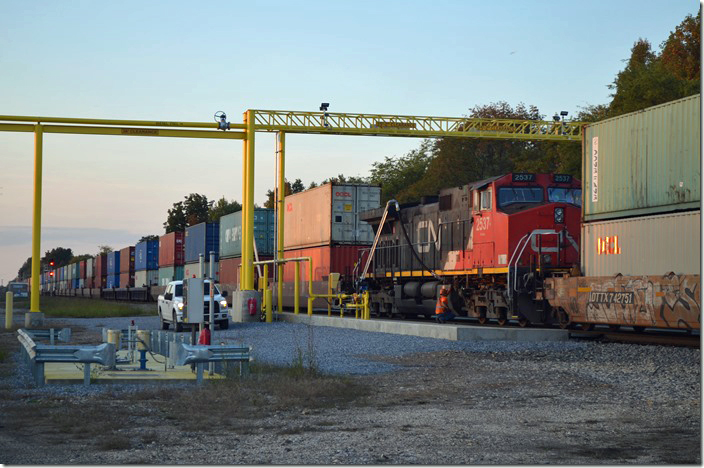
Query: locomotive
[[494, 241]]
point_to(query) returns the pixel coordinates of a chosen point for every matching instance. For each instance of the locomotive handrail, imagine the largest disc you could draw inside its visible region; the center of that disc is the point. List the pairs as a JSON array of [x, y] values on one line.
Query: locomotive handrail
[[524, 240]]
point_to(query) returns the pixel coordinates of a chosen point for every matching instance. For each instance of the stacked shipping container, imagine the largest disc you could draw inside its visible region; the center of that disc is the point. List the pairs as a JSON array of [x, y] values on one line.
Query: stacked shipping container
[[171, 257], [146, 263], [641, 168], [200, 239], [231, 244], [127, 267], [323, 223]]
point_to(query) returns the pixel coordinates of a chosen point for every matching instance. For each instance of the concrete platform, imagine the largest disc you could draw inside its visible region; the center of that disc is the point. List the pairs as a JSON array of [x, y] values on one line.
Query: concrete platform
[[447, 331], [69, 373]]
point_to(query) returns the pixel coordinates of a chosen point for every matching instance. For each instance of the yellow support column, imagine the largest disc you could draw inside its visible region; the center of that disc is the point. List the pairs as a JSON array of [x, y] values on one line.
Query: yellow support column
[[310, 286], [296, 287], [248, 208], [37, 218], [245, 192], [281, 193], [8, 310]]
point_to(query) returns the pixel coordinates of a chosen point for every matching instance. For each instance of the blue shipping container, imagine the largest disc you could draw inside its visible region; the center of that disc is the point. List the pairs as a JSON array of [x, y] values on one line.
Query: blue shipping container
[[202, 239], [114, 280], [75, 283], [146, 255], [114, 263], [231, 233]]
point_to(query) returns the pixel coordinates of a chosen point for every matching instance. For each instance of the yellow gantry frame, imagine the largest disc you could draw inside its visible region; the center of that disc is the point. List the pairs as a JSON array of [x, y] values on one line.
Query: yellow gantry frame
[[273, 121]]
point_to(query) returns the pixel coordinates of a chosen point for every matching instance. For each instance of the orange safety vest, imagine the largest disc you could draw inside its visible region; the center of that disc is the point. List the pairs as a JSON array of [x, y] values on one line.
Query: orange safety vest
[[442, 306]]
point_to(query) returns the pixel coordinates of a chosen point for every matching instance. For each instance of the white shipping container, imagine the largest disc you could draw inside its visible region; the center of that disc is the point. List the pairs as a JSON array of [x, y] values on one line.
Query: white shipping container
[[647, 245], [328, 215], [144, 278], [89, 267]]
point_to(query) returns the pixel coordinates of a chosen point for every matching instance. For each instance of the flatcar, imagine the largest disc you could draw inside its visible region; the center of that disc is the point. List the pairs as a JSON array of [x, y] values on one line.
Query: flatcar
[[495, 241]]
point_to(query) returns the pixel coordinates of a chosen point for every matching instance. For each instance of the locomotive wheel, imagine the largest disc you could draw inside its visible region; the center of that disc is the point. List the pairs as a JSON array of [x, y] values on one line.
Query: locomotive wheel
[[483, 320], [523, 322], [586, 326], [502, 320], [563, 320]]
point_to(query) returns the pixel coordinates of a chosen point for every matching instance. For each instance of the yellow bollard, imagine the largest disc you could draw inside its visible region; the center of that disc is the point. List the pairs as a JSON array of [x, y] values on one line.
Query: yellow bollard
[[8, 310], [265, 280], [310, 305], [296, 287], [268, 301], [365, 302]]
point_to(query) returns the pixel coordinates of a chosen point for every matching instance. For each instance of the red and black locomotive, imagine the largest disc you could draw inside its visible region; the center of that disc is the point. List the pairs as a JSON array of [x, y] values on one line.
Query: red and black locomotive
[[495, 241]]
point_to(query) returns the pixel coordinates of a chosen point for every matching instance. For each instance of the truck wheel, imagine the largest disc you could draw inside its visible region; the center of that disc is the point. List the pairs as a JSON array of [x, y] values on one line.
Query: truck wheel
[[177, 325], [224, 324], [164, 324]]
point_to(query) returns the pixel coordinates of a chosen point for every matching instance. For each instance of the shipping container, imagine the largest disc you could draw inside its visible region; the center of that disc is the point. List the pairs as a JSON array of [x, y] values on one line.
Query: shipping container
[[230, 272], [172, 249], [69, 271], [89, 282], [82, 269], [643, 246], [643, 163], [81, 283], [146, 255], [74, 283], [231, 233], [202, 239], [101, 266], [338, 259], [190, 270], [76, 270], [329, 215], [170, 273], [90, 270], [113, 281], [127, 260], [127, 280], [113, 263], [143, 278]]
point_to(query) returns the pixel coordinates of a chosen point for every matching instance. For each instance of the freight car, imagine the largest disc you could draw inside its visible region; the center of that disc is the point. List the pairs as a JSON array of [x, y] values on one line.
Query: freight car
[[495, 241]]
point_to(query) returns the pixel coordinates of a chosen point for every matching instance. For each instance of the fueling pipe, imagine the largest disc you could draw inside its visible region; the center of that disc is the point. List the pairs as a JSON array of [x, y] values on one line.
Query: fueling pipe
[[364, 305]]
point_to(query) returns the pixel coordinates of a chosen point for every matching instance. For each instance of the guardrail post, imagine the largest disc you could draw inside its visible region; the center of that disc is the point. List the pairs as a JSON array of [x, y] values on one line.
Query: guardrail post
[[199, 372], [8, 310], [86, 373], [38, 371]]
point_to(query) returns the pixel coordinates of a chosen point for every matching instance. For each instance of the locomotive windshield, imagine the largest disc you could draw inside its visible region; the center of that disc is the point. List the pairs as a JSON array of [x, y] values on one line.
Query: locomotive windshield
[[512, 195], [565, 195]]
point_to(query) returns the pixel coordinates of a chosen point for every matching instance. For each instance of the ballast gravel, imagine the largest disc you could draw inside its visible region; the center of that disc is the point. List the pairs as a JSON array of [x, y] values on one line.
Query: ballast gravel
[[434, 402]]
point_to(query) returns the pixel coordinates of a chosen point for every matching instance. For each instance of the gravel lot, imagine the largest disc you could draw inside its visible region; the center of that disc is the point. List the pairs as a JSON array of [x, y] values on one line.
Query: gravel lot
[[420, 400]]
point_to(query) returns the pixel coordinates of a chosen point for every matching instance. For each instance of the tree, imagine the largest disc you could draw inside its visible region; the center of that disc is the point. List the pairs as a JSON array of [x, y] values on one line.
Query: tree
[[395, 174], [681, 50], [342, 179], [151, 237], [221, 208], [193, 210], [289, 189], [175, 219], [104, 249], [80, 258], [60, 255]]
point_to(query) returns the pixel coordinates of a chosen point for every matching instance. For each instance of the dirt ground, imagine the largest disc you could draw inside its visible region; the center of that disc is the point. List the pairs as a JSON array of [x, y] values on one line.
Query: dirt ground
[[441, 408]]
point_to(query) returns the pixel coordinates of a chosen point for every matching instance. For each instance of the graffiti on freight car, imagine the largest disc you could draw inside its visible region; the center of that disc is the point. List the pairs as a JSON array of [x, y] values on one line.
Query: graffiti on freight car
[[682, 297]]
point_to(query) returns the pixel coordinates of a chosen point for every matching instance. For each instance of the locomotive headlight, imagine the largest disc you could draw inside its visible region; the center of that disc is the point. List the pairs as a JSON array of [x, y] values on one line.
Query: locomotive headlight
[[559, 215], [547, 259]]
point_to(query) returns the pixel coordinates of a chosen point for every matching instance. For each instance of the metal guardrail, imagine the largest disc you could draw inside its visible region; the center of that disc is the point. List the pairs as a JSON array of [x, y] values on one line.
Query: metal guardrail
[[51, 334], [38, 354]]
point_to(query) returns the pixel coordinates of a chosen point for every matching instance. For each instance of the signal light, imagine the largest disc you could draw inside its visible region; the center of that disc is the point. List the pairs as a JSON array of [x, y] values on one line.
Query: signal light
[[51, 273], [51, 263]]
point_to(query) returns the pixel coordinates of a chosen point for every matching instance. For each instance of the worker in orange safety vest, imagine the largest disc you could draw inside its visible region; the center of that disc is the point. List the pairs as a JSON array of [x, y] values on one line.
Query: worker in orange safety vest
[[443, 313]]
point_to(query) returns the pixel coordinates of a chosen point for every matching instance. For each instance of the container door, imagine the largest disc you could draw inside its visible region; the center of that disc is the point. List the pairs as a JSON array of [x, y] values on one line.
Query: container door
[[344, 213], [368, 198]]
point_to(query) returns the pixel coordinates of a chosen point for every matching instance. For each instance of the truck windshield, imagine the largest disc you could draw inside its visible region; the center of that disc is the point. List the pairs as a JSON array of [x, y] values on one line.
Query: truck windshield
[[511, 195], [565, 195], [179, 290]]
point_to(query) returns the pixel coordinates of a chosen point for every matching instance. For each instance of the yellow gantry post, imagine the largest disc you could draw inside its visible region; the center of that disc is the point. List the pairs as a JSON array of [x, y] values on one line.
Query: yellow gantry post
[[248, 206], [280, 194], [37, 217], [8, 309], [296, 286]]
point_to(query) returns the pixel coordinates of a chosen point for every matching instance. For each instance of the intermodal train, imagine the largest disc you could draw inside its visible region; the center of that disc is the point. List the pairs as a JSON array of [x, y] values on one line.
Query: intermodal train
[[494, 241]]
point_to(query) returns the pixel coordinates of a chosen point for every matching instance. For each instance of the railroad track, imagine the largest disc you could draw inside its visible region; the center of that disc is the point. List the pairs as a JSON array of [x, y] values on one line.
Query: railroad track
[[662, 338]]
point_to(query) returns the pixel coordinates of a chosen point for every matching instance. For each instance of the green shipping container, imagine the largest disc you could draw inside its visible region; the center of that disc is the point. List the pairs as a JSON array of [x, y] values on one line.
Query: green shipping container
[[643, 163], [231, 233], [170, 273]]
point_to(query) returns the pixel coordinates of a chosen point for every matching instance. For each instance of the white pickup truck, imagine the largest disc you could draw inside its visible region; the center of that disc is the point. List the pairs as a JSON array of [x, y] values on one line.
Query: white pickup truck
[[170, 306]]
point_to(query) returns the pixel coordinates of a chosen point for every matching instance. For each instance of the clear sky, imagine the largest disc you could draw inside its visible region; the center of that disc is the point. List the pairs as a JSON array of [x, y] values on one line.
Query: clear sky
[[185, 60]]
